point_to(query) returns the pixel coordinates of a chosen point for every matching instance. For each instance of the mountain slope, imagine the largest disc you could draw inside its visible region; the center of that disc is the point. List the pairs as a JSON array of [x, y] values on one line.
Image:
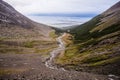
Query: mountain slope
[[96, 46], [100, 24], [15, 25], [20, 35]]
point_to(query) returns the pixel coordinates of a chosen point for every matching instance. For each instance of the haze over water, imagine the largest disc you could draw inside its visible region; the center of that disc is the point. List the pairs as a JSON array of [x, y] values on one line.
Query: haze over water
[[61, 13], [60, 21]]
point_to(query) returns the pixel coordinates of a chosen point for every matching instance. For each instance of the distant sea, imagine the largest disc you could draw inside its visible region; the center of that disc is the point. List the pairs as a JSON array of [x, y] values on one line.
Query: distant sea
[[60, 21]]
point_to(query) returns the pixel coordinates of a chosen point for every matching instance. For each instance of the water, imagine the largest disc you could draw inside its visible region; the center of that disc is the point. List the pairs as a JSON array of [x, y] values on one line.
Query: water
[[59, 21], [49, 63]]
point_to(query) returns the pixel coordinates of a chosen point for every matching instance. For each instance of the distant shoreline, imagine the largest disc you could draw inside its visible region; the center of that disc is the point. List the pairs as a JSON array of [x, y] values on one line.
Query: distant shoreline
[[60, 21]]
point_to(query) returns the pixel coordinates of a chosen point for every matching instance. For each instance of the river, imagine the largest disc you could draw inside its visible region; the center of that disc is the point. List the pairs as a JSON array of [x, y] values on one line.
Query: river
[[50, 62]]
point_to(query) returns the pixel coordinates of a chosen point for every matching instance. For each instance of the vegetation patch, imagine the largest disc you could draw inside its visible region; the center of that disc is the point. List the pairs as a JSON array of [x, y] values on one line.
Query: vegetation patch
[[53, 34], [10, 71], [94, 58], [45, 50], [68, 39], [26, 46], [88, 57], [10, 50], [105, 62]]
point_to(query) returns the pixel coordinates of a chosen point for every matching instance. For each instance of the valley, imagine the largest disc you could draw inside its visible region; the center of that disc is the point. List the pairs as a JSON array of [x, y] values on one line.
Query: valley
[[35, 51], [31, 66]]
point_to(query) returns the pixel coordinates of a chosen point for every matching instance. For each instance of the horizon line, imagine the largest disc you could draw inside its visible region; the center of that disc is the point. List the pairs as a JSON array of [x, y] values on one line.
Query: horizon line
[[66, 14]]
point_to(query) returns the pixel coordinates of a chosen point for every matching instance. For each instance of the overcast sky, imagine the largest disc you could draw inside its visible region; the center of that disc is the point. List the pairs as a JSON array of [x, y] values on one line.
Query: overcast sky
[[27, 7]]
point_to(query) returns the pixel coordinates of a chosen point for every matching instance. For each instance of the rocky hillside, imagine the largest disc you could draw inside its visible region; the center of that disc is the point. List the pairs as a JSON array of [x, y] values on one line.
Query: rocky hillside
[[96, 46], [15, 25], [18, 34]]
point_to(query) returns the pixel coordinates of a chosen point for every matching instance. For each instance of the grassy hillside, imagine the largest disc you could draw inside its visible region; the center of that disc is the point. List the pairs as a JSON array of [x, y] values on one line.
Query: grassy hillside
[[96, 46], [82, 32]]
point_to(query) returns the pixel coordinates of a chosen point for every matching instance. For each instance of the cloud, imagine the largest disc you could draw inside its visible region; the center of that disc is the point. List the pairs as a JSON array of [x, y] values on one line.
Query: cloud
[[84, 9], [61, 6]]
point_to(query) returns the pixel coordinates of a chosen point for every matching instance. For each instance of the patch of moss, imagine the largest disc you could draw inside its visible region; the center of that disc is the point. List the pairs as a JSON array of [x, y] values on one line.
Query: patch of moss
[[110, 29], [10, 71], [71, 55], [43, 50], [68, 39], [25, 46], [4, 72], [74, 56], [3, 46], [9, 50], [1, 39], [91, 41], [29, 44], [52, 34], [94, 58], [70, 52], [109, 35]]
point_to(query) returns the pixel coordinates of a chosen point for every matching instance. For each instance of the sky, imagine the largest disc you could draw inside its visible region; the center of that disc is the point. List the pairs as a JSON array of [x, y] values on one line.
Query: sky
[[27, 7], [84, 9]]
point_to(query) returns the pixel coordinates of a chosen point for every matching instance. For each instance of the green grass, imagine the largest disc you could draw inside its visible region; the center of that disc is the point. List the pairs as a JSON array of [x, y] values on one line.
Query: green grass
[[1, 39], [69, 54], [110, 29], [26, 46], [109, 36], [71, 51], [53, 34], [45, 50], [10, 50], [105, 62], [95, 44], [29, 44], [94, 58], [92, 55], [4, 72], [82, 32], [10, 71]]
